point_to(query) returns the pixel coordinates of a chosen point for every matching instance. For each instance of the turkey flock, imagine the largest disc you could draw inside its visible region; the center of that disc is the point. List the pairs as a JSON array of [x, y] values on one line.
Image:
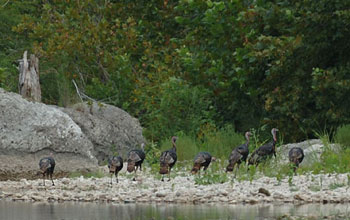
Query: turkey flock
[[168, 159]]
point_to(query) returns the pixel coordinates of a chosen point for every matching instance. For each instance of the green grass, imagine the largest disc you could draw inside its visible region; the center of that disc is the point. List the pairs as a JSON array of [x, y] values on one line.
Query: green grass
[[335, 185], [342, 136], [214, 174], [218, 142], [332, 160], [315, 188], [186, 147], [210, 178], [97, 174], [294, 189]]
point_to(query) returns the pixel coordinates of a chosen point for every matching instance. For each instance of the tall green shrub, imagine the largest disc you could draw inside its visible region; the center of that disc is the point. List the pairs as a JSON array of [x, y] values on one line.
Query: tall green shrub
[[342, 136], [178, 106]]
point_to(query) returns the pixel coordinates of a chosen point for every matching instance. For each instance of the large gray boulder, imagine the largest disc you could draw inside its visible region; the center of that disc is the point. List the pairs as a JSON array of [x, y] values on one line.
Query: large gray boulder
[[109, 128], [29, 131], [77, 137]]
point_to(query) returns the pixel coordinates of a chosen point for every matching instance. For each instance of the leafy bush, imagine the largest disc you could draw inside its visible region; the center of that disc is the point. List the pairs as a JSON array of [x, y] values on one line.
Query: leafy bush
[[342, 135], [8, 80], [152, 155], [177, 107]]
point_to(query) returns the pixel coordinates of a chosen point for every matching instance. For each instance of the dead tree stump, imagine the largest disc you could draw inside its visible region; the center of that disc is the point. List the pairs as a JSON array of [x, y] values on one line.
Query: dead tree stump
[[29, 85]]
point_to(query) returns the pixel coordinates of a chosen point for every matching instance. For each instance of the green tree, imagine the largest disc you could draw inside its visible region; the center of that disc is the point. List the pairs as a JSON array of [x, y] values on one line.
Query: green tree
[[245, 63]]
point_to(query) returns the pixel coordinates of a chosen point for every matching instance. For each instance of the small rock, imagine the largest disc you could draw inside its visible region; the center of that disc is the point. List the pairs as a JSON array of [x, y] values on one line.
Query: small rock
[[298, 197], [223, 192], [223, 199], [161, 194], [264, 191], [37, 198], [65, 181], [102, 197], [253, 201]]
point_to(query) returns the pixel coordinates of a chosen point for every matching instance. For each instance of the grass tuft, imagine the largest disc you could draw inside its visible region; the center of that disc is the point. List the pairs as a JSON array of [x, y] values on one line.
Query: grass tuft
[[97, 174], [342, 136], [218, 142]]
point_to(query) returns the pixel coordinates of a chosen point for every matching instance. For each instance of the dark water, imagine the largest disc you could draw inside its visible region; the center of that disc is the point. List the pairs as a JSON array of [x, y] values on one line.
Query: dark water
[[88, 211]]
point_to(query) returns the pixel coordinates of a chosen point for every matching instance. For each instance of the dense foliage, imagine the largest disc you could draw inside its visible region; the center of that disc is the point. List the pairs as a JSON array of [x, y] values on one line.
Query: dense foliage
[[190, 65]]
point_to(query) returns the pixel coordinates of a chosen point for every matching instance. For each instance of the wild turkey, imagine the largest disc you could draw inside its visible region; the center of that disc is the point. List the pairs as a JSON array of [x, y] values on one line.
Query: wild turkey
[[47, 166], [115, 164], [202, 159], [239, 154], [264, 151], [296, 156], [168, 159], [135, 159]]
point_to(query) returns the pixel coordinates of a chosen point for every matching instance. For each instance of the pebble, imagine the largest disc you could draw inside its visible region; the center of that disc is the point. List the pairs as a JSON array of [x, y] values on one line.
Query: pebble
[[161, 194]]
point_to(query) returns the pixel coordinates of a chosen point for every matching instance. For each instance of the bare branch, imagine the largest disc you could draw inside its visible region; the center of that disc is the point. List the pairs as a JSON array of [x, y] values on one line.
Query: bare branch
[[76, 87], [5, 3], [81, 75], [105, 72], [81, 94]]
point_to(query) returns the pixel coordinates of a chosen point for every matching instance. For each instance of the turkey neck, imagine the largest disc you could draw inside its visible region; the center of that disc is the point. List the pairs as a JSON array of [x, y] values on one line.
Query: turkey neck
[[274, 136], [174, 145], [247, 138]]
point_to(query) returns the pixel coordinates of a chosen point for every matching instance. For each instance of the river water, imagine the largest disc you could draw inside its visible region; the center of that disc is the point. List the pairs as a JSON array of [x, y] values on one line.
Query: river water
[[88, 211]]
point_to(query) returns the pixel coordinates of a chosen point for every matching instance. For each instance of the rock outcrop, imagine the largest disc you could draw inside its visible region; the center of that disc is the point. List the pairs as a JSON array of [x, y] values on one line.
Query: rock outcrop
[[77, 137], [109, 128]]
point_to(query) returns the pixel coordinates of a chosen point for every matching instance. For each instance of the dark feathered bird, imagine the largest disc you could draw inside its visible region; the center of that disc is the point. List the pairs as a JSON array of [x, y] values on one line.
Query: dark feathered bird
[[115, 164], [239, 154], [202, 159], [135, 159], [296, 156], [168, 159], [264, 151], [47, 166]]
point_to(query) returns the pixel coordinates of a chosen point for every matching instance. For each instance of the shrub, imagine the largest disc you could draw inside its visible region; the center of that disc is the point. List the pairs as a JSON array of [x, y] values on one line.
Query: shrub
[[342, 135], [178, 106]]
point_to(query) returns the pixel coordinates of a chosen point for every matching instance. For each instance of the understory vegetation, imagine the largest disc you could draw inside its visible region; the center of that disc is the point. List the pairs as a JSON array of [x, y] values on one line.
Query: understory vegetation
[[334, 158]]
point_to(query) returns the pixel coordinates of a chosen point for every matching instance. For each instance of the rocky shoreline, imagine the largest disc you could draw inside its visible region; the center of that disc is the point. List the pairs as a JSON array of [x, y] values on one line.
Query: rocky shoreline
[[322, 188]]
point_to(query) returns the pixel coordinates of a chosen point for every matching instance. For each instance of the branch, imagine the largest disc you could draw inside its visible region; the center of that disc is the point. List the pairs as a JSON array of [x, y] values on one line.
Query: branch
[[76, 87], [81, 94], [5, 3], [105, 72], [81, 75]]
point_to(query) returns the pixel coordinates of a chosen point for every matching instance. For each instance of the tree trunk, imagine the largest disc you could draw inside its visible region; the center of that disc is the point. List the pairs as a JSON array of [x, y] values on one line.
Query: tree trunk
[[29, 85]]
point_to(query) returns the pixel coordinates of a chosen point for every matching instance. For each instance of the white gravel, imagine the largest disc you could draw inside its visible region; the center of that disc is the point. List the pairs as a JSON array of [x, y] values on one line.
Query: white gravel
[[322, 188]]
